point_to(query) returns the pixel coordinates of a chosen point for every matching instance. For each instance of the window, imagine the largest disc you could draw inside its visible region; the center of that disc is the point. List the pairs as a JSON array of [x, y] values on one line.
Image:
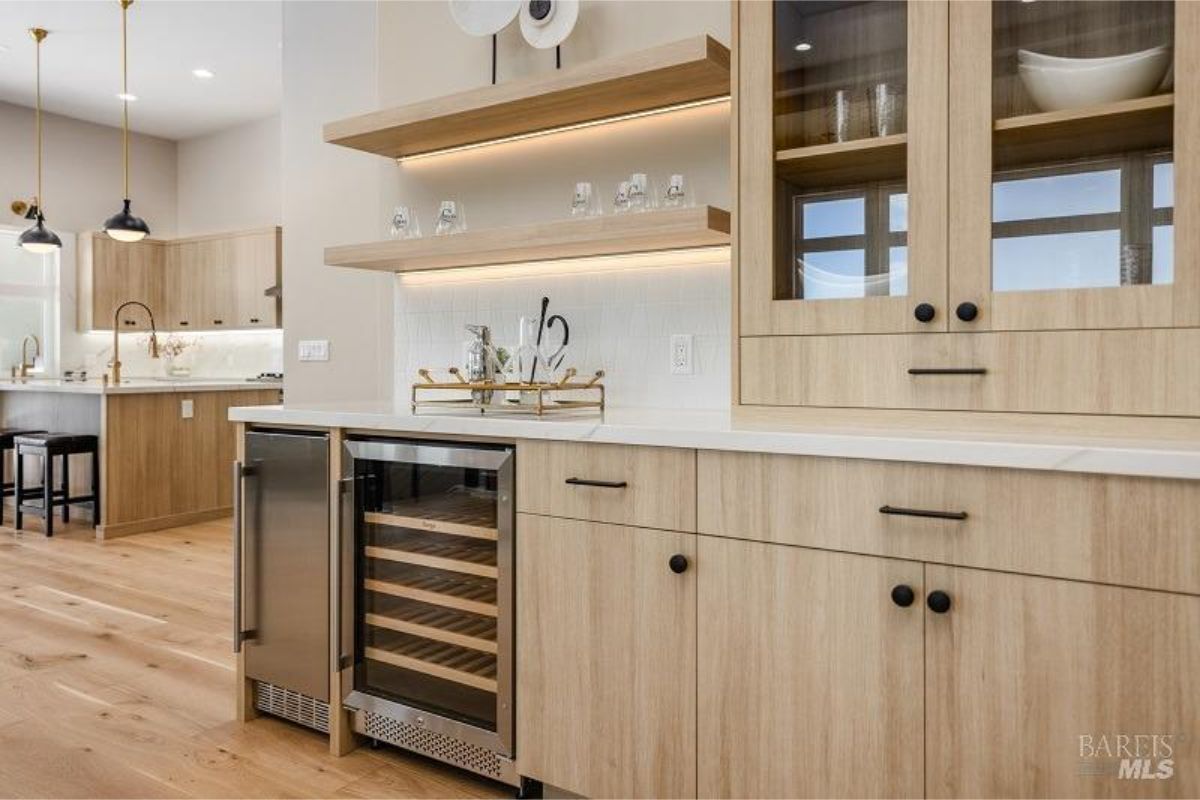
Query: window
[[28, 302], [852, 243], [1094, 224]]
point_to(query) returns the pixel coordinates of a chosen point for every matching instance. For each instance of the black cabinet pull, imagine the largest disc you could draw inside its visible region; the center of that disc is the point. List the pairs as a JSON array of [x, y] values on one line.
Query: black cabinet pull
[[967, 311], [920, 512], [938, 602], [218, 322], [254, 320], [924, 312], [600, 484], [678, 564], [947, 370], [903, 595], [183, 323]]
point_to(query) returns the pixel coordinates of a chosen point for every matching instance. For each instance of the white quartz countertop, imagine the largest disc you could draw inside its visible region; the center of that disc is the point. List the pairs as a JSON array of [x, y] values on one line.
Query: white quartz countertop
[[716, 430], [135, 385]]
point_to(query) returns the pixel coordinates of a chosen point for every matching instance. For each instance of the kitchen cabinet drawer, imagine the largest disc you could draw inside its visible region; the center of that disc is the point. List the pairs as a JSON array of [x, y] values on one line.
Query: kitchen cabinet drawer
[[1130, 372], [1110, 529], [650, 487], [606, 670]]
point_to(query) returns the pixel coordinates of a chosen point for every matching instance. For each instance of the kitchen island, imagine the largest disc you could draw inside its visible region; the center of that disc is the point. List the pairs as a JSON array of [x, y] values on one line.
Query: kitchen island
[[165, 445]]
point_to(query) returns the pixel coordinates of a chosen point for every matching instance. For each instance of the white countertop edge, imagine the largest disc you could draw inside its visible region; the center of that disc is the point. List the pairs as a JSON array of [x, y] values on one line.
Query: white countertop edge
[[1063, 456], [136, 386]]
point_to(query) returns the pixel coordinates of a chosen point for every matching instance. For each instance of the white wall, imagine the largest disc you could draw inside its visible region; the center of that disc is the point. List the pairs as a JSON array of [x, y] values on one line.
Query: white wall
[[622, 321], [330, 196], [82, 172], [230, 180]]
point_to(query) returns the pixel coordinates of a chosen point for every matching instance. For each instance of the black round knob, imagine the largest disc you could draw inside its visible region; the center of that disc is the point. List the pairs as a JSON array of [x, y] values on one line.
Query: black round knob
[[678, 564], [924, 312], [966, 311], [938, 602], [903, 595]]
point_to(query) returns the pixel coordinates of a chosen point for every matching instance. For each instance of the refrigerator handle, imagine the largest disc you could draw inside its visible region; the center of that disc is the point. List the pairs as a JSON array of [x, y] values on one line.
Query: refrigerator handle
[[344, 591], [240, 473]]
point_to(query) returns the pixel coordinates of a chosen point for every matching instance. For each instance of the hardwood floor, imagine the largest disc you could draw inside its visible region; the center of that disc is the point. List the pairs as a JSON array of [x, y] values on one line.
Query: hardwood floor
[[117, 680]]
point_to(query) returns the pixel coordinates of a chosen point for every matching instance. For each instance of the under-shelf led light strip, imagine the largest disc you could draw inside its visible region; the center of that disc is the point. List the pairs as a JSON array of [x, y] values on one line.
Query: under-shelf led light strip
[[563, 128], [709, 255]]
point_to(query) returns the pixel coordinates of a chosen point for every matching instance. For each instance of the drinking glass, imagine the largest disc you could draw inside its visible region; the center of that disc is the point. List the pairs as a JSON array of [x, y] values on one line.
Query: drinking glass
[[887, 109], [583, 203], [621, 201], [675, 197], [404, 224], [641, 197], [842, 116], [451, 218]]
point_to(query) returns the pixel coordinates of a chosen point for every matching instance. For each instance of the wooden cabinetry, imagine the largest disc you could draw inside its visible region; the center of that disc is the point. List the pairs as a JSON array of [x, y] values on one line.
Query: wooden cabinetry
[[810, 676], [112, 273], [606, 676], [1030, 682], [213, 282], [915, 184]]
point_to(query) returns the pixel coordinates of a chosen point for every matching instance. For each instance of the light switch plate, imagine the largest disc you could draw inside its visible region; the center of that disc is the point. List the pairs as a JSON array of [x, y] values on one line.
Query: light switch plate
[[187, 409], [314, 350], [682, 347]]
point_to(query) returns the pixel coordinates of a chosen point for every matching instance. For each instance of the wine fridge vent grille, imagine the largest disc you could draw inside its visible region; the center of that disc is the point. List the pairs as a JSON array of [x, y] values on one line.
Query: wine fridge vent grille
[[299, 708], [436, 745]]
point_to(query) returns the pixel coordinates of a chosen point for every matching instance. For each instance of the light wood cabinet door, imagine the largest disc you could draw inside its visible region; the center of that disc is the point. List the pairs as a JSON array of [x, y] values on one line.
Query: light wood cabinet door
[[184, 277], [1025, 675], [217, 306], [810, 676], [841, 211], [117, 272], [606, 661], [1079, 217], [254, 259]]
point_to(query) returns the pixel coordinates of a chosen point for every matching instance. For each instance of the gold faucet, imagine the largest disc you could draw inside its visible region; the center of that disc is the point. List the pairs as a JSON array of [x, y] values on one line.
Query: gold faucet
[[115, 364], [26, 364]]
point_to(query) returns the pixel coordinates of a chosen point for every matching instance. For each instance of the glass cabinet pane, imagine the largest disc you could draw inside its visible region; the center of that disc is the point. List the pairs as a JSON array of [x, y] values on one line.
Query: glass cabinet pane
[[1082, 192], [840, 122]]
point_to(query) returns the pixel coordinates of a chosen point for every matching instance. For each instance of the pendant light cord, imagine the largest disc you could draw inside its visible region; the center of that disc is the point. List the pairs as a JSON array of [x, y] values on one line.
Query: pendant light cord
[[38, 35], [125, 86]]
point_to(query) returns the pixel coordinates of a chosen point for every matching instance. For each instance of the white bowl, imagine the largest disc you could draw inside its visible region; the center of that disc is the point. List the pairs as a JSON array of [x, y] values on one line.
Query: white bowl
[[1079, 82], [1044, 60]]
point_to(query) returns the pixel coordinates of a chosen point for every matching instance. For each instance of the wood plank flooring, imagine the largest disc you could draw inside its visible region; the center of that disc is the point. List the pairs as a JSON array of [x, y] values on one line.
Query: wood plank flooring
[[117, 680]]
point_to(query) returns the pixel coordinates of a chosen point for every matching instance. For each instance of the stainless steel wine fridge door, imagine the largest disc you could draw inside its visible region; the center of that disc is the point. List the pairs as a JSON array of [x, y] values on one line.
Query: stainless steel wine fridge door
[[427, 588]]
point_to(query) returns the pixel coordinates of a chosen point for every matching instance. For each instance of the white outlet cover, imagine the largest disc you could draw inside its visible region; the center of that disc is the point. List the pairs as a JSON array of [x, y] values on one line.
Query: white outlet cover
[[682, 354], [314, 350], [187, 409]]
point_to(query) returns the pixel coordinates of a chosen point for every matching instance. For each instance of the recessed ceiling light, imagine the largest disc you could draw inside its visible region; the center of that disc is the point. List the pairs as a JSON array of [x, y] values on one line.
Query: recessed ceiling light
[[202, 73], [802, 47], [128, 97]]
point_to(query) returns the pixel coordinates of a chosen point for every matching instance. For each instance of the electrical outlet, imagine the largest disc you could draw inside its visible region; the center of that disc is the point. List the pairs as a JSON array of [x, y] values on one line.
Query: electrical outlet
[[681, 353], [187, 409], [314, 350]]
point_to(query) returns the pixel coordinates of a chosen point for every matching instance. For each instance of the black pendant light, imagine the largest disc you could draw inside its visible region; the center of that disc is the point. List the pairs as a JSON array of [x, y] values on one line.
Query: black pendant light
[[124, 226], [39, 239]]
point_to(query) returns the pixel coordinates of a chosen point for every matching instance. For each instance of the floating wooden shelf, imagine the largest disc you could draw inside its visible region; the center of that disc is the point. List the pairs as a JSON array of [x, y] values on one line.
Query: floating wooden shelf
[[1141, 124], [441, 591], [461, 665], [611, 234], [845, 163], [686, 71]]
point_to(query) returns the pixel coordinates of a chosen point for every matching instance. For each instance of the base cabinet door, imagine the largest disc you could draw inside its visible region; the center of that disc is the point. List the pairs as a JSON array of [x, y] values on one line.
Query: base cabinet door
[[606, 659], [1038, 687], [810, 674]]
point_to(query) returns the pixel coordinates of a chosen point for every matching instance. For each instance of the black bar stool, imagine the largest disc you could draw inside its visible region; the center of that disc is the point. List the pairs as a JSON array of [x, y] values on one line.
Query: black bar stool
[[49, 445], [8, 488]]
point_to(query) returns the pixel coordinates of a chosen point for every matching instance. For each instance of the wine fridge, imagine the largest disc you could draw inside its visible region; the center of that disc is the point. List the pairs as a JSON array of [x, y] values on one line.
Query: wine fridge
[[426, 594]]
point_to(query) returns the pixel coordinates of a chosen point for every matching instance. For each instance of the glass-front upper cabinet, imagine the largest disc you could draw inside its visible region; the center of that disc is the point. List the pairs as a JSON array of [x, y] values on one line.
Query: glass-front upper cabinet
[[842, 169], [1071, 161]]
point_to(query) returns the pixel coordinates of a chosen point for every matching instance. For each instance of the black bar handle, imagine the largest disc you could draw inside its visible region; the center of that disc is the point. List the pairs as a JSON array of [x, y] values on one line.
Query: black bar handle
[[947, 370], [920, 512], [600, 484]]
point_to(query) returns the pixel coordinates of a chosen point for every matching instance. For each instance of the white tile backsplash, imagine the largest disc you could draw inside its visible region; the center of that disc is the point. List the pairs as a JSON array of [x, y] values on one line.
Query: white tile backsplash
[[220, 354], [621, 321]]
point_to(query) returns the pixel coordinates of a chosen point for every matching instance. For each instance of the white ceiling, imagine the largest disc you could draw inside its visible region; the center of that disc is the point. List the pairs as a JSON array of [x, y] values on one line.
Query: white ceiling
[[239, 40]]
